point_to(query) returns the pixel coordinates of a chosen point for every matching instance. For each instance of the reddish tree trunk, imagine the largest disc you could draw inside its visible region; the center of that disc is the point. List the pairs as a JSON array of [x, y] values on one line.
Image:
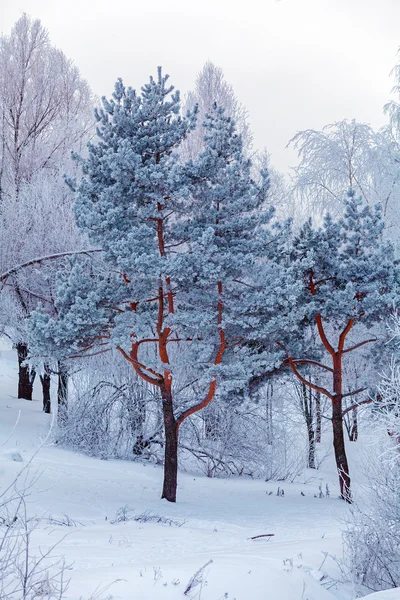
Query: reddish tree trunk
[[171, 446], [163, 381], [337, 396]]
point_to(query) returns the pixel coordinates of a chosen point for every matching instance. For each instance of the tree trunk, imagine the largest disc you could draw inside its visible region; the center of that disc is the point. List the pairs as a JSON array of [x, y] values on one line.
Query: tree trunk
[[269, 402], [62, 391], [318, 416], [308, 415], [212, 423], [26, 375], [171, 446], [338, 433], [46, 381], [354, 427], [340, 449], [311, 447], [137, 416]]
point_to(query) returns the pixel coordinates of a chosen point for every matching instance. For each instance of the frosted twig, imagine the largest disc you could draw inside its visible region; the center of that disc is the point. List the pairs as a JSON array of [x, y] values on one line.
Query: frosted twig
[[13, 429], [197, 578]]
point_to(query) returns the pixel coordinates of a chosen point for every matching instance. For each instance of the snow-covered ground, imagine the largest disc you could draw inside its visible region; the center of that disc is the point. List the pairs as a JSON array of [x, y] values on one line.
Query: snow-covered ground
[[213, 520], [386, 595]]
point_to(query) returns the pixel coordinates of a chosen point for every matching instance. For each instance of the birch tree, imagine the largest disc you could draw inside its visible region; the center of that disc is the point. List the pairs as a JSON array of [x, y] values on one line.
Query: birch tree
[[45, 112], [348, 155], [212, 88], [45, 105]]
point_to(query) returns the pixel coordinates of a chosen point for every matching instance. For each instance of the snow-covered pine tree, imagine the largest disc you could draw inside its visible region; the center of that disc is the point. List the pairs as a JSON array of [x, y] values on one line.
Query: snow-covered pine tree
[[350, 283], [179, 242], [227, 224]]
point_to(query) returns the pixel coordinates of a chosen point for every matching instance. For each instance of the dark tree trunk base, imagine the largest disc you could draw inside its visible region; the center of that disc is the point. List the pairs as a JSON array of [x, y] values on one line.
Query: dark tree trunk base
[[340, 450], [26, 375], [46, 381], [62, 392], [171, 447]]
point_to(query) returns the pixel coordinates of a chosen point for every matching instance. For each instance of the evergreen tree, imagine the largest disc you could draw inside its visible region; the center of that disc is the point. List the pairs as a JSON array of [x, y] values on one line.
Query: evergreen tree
[[179, 243], [350, 283]]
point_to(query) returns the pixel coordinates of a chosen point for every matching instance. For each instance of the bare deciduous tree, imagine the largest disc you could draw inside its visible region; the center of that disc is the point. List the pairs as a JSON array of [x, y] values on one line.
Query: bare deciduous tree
[[212, 88], [347, 155], [45, 113], [45, 105]]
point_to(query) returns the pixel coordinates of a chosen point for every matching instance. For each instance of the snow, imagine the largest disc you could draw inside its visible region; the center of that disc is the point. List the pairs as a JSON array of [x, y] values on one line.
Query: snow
[[215, 519], [386, 595]]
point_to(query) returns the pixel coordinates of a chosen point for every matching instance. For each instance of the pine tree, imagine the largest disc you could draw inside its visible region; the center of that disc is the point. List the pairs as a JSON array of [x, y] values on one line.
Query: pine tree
[[179, 243], [350, 282]]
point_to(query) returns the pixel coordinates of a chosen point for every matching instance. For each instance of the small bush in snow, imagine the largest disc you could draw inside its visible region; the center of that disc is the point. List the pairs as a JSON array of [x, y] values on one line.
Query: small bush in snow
[[110, 412], [125, 514], [63, 521]]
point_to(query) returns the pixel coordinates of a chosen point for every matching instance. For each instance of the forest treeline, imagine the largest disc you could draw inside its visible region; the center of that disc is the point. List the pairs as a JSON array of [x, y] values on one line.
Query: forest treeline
[[190, 302]]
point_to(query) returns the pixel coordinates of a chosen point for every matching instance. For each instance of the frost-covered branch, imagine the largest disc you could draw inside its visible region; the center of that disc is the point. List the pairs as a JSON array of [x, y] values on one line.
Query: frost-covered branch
[[41, 259]]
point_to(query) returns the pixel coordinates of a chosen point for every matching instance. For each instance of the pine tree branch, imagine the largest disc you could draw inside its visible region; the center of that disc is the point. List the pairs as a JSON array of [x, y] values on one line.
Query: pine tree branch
[[322, 335], [218, 359], [354, 406], [313, 386], [343, 335], [323, 281], [253, 287], [318, 320], [36, 261], [306, 361], [359, 345], [355, 392], [140, 369]]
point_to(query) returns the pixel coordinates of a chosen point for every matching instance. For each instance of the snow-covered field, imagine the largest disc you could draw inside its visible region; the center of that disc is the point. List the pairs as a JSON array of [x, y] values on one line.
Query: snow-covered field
[[213, 520]]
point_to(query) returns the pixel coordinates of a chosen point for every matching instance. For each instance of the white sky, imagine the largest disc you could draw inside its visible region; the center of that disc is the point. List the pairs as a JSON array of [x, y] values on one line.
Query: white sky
[[295, 64]]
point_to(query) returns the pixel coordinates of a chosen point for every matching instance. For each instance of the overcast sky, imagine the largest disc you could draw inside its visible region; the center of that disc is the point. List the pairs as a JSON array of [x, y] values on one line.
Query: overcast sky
[[295, 64]]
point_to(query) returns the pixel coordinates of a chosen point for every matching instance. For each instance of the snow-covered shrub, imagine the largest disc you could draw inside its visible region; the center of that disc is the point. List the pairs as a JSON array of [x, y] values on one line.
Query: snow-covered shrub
[[111, 413], [125, 514], [258, 437], [372, 535], [223, 442], [28, 572], [25, 573]]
